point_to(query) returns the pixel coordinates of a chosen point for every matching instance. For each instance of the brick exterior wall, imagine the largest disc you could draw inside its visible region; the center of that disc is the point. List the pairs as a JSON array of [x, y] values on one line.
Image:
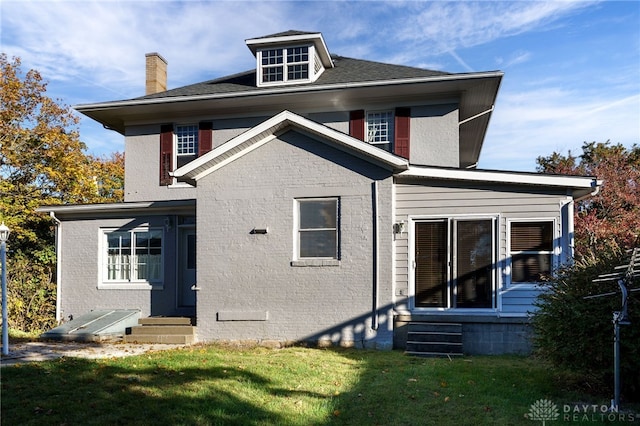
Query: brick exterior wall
[[249, 288]]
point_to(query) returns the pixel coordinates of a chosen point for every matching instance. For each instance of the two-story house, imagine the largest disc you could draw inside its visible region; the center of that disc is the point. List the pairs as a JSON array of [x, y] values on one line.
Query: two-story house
[[318, 198]]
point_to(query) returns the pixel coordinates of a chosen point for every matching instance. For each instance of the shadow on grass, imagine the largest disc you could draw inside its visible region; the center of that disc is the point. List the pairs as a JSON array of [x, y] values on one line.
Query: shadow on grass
[[78, 391], [292, 386]]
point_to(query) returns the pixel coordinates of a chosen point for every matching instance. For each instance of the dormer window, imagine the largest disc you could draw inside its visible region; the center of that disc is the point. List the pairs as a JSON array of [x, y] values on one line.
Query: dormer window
[[292, 57], [284, 65]]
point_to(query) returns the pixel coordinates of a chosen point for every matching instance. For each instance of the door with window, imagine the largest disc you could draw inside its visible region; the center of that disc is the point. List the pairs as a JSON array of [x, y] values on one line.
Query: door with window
[[454, 263]]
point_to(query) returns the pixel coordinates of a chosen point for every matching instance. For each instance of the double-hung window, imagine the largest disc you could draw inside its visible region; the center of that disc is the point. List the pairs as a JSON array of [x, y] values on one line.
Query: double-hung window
[[317, 228], [531, 250], [133, 256], [287, 64], [186, 143], [379, 129]]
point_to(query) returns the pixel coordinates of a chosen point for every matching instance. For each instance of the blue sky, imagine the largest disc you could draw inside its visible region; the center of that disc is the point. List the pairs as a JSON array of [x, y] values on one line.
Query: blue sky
[[572, 68]]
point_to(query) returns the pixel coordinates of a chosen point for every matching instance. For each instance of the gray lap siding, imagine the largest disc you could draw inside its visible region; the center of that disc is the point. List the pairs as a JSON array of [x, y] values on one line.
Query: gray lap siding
[[440, 199]]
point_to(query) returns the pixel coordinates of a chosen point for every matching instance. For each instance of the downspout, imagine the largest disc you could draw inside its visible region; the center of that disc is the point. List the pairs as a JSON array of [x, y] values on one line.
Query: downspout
[[58, 265], [376, 259], [571, 229]]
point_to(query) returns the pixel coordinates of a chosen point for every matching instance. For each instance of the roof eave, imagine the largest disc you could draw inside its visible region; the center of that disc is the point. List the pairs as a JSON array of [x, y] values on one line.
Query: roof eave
[[581, 186], [109, 114]]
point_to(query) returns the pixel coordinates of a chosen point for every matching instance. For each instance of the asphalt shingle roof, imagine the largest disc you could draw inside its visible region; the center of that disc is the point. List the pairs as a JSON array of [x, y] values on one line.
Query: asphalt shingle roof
[[346, 70]]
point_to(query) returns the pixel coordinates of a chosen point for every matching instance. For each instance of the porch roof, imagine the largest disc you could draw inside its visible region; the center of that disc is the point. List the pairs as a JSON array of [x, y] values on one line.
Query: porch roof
[[98, 210], [580, 186]]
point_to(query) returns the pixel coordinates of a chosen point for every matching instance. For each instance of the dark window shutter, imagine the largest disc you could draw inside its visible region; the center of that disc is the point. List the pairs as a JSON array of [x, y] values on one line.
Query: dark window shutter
[[205, 137], [166, 154], [401, 143], [356, 124]]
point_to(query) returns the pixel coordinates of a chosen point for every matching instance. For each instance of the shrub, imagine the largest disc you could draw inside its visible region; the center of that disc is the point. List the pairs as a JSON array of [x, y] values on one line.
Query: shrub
[[577, 333], [31, 291]]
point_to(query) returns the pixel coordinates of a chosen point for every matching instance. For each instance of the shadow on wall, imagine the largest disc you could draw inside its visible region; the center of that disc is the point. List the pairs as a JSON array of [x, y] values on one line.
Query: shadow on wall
[[372, 330]]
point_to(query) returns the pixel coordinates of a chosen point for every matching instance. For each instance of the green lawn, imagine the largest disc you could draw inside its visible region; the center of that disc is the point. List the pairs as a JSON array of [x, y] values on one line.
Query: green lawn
[[209, 385]]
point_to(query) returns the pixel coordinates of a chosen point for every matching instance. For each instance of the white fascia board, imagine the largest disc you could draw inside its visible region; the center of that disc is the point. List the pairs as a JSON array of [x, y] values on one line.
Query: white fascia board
[[114, 207], [539, 179], [265, 131]]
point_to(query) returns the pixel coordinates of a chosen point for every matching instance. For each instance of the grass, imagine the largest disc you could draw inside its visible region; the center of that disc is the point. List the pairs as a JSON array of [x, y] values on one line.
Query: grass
[[211, 385]]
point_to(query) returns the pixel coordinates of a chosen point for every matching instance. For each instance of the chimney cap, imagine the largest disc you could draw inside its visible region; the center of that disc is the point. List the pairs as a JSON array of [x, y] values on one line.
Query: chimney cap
[[157, 55]]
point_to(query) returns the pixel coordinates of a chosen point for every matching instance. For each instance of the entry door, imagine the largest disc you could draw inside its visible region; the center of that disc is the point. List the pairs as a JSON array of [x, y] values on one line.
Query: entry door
[[187, 268], [454, 263]]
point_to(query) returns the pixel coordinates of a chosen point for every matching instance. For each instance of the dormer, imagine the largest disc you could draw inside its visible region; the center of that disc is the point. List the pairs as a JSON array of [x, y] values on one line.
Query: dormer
[[291, 57]]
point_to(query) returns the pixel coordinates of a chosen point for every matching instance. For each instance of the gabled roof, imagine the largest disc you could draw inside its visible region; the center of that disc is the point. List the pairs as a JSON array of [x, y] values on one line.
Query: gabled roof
[[269, 130], [289, 38]]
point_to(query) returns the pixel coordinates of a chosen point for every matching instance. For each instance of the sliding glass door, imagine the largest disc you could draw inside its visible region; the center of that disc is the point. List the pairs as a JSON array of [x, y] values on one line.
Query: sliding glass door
[[454, 263]]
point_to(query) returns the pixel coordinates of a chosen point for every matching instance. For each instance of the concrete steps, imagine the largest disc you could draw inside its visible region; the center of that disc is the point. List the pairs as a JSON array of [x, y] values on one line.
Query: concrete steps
[[168, 330], [434, 339]]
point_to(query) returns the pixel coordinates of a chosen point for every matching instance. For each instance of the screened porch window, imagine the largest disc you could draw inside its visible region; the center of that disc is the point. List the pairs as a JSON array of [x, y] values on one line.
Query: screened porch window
[[531, 251], [317, 228], [133, 256]]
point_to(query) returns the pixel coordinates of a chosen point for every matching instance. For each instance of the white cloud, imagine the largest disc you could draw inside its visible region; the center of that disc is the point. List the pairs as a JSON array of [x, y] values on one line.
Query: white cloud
[[534, 123]]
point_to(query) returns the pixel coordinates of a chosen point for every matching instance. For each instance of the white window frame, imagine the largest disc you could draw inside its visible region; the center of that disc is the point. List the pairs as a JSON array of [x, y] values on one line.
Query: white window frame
[[554, 252], [376, 122], [310, 62], [131, 283], [450, 221], [311, 261], [192, 140]]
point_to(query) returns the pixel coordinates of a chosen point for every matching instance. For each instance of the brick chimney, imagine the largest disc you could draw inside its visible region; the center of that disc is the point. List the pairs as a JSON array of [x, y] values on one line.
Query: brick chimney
[[156, 70]]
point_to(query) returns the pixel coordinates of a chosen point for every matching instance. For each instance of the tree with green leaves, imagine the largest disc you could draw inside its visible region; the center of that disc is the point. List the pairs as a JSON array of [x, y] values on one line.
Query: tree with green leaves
[[42, 162]]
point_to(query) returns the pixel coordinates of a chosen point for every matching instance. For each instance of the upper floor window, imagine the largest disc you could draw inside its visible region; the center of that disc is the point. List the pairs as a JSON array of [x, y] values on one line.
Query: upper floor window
[[287, 64], [180, 144], [186, 143], [380, 127], [531, 250]]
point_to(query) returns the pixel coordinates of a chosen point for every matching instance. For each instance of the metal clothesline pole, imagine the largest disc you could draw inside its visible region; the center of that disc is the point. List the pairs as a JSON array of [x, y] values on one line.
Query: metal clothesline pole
[[619, 317]]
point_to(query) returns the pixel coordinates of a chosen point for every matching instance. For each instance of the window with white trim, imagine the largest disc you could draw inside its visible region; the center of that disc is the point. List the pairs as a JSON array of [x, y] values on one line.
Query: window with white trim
[[133, 256], [186, 143], [286, 64], [379, 127], [531, 248], [317, 230]]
